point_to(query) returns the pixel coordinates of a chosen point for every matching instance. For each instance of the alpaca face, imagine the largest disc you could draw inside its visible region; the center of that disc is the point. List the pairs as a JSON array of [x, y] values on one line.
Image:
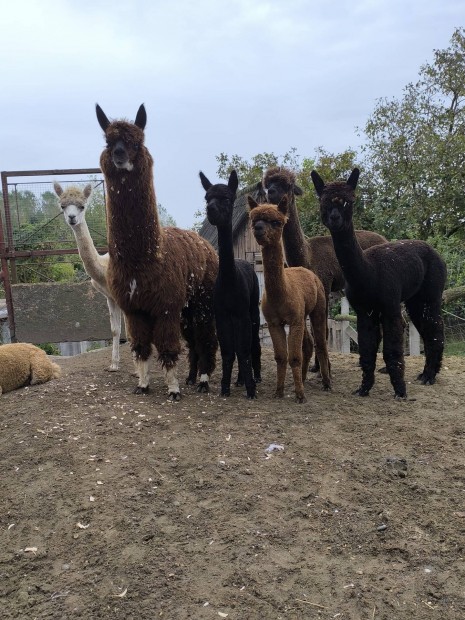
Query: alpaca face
[[220, 203], [279, 182], [220, 199], [267, 223], [74, 213], [124, 143], [73, 203], [336, 201], [336, 208], [124, 140]]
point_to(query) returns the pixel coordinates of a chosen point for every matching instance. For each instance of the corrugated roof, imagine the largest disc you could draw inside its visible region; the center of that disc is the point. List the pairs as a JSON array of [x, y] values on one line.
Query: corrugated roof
[[240, 215]]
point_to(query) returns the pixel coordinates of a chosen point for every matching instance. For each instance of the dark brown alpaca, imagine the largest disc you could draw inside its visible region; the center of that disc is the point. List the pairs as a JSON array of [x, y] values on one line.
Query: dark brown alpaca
[[290, 296], [162, 278], [315, 253], [378, 280]]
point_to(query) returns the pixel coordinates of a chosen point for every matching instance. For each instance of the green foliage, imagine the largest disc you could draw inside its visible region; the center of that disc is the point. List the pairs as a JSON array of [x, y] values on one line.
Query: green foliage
[[415, 152], [250, 172], [165, 218], [49, 348]]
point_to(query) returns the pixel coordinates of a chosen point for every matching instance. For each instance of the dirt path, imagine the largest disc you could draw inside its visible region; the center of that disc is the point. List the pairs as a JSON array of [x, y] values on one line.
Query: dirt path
[[137, 508]]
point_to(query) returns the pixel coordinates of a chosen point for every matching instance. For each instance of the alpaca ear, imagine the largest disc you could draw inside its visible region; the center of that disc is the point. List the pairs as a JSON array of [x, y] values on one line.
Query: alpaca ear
[[282, 206], [101, 117], [87, 191], [233, 182], [58, 189], [261, 194], [298, 191], [251, 202], [317, 182], [352, 180], [205, 182], [141, 117]]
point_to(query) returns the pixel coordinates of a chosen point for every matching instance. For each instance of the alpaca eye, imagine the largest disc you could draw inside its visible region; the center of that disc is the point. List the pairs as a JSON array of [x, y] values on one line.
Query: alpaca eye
[[276, 224]]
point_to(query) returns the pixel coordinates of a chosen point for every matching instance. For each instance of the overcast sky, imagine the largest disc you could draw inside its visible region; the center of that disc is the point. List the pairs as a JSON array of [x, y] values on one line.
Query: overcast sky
[[244, 76]]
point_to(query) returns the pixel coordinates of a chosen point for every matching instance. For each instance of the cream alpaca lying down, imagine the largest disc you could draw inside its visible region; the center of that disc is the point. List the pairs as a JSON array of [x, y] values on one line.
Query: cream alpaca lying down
[[24, 364]]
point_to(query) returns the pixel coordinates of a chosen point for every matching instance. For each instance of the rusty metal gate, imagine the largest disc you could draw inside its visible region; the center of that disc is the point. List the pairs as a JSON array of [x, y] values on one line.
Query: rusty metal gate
[[36, 245]]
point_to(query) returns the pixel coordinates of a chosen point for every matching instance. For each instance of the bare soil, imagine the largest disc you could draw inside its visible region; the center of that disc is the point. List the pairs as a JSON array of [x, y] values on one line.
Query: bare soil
[[116, 505]]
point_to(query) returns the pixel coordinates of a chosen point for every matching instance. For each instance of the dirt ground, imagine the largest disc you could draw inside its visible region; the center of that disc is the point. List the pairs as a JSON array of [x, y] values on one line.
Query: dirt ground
[[116, 505]]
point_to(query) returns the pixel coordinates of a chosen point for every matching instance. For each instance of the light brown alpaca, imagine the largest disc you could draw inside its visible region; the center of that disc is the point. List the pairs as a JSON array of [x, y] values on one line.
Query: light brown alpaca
[[290, 296], [315, 253]]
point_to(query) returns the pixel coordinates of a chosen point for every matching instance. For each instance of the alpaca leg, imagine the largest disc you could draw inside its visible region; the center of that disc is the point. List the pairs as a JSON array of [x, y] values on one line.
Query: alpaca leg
[[368, 339], [206, 345], [189, 336], [256, 350], [428, 320], [307, 352], [319, 325], [278, 338], [226, 340], [294, 345], [242, 344], [167, 340], [327, 292], [171, 380], [115, 323], [393, 351], [141, 329]]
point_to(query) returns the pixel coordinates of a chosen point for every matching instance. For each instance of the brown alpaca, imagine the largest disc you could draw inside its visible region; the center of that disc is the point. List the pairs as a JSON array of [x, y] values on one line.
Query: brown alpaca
[[161, 278], [290, 296], [314, 253]]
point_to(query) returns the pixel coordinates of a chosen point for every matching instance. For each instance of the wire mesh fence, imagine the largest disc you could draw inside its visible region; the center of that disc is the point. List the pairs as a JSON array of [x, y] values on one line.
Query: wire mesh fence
[[35, 229]]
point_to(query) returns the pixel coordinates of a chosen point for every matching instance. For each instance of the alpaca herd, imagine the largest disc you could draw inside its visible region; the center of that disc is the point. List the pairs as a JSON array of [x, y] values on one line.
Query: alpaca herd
[[169, 283]]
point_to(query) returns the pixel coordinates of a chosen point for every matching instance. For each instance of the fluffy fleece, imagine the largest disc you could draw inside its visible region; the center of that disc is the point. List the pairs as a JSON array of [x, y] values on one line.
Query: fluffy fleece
[[24, 364]]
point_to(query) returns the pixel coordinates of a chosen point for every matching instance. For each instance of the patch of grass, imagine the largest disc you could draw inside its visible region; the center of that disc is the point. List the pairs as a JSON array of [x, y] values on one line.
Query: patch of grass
[[455, 348]]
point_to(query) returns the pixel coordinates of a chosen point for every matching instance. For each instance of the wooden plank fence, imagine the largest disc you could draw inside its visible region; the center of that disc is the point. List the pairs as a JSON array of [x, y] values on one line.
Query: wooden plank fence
[[341, 332]]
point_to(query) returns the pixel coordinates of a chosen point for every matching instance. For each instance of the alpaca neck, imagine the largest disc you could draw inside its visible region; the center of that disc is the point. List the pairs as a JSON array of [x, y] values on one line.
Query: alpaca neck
[[227, 266], [89, 255], [134, 233], [297, 251], [273, 269], [350, 256]]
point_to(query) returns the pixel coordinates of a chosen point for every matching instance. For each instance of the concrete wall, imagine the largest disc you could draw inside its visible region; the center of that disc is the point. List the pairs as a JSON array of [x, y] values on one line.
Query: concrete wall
[[60, 313]]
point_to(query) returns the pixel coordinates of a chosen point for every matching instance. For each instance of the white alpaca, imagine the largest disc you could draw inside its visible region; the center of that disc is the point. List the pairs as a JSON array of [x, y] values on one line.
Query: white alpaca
[[73, 203]]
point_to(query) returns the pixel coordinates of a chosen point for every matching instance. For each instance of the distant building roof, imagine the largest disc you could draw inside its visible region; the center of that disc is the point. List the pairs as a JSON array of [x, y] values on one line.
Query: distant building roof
[[240, 216]]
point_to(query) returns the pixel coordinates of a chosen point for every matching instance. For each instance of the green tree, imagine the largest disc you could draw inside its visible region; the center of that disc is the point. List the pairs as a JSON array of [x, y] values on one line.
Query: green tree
[[415, 151], [165, 218]]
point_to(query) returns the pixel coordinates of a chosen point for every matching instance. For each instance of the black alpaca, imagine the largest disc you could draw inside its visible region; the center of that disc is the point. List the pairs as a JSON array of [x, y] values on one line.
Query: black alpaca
[[378, 279], [236, 293]]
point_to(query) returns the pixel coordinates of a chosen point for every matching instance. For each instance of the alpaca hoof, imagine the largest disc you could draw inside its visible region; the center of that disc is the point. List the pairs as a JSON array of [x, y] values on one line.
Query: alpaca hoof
[[251, 395], [203, 387], [239, 383], [383, 370], [326, 388], [400, 396], [225, 392], [361, 392], [314, 368], [190, 381], [257, 379], [425, 379], [113, 368], [300, 399], [141, 390], [174, 397]]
